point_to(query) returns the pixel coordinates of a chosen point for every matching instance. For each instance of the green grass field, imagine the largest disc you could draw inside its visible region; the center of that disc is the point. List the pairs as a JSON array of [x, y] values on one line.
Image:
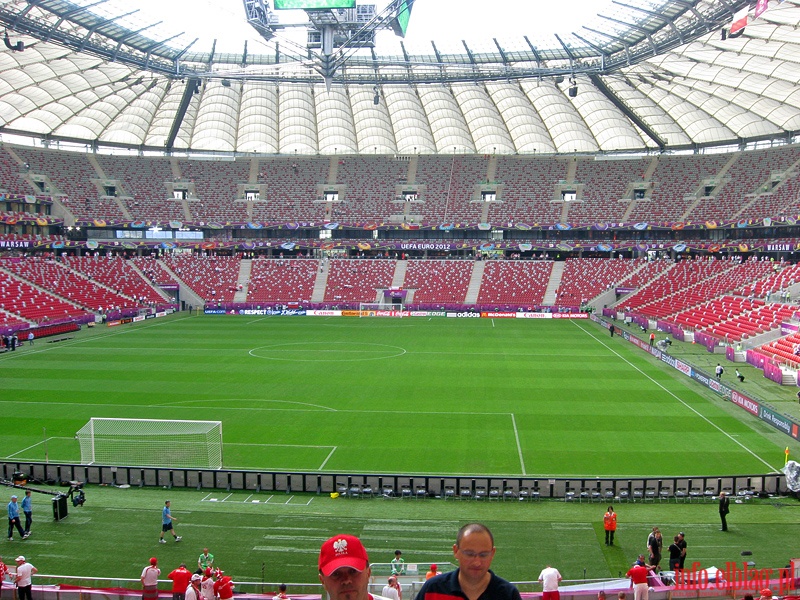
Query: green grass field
[[410, 396], [385, 396]]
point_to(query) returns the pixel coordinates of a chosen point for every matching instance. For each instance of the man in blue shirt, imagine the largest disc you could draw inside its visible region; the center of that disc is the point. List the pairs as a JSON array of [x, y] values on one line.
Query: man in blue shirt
[[27, 508], [13, 519], [166, 524], [474, 549]]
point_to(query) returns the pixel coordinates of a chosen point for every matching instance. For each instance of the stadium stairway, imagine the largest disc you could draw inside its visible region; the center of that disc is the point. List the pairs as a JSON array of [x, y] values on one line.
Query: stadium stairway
[[554, 283], [475, 282], [400, 273], [243, 283], [321, 283], [188, 296]]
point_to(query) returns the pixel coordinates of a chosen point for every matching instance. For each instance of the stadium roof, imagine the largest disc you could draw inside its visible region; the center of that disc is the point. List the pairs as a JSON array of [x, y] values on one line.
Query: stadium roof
[[643, 75]]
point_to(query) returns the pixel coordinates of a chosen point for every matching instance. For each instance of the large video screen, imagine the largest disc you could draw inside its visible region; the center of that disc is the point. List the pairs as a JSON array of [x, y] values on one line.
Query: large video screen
[[313, 4]]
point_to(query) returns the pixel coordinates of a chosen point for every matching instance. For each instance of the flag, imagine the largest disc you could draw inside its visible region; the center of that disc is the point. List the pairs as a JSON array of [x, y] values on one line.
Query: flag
[[739, 21], [786, 455], [761, 6]]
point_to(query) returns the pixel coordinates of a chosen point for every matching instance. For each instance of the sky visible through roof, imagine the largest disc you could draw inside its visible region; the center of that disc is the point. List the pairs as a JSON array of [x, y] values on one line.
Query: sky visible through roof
[[447, 22]]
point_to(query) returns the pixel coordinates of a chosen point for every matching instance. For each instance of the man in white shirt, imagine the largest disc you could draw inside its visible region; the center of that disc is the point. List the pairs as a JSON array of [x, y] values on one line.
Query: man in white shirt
[[390, 589], [193, 591], [550, 578], [25, 572]]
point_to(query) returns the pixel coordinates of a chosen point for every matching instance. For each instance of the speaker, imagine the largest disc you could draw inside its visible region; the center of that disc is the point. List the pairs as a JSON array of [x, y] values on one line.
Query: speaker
[[573, 91]]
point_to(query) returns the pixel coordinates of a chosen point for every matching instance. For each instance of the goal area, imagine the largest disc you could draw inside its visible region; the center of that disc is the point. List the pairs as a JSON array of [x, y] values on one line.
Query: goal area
[[375, 309], [151, 443]]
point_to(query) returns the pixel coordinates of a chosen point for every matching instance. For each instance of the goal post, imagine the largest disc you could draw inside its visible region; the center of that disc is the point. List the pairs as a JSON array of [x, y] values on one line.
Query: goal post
[[376, 309], [151, 443]]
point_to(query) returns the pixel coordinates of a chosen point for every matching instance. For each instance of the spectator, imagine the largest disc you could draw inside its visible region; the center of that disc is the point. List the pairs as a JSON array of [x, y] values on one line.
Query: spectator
[[23, 578], [433, 572], [207, 586], [150, 575], [193, 590], [344, 568], [398, 564], [223, 587], [674, 555], [474, 550], [281, 595], [550, 578], [638, 576], [390, 589], [181, 578]]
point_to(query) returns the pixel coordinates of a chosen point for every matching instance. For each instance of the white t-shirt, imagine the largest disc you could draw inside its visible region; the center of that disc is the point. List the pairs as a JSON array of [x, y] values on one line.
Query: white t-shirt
[[24, 574], [207, 589], [549, 578], [150, 576], [390, 592]]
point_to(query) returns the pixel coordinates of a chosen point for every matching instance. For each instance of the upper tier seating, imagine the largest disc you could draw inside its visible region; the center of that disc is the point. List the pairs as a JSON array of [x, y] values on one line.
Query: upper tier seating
[[605, 183], [676, 180], [288, 280], [292, 189], [748, 185], [370, 188], [745, 178], [529, 189], [514, 282], [143, 181]]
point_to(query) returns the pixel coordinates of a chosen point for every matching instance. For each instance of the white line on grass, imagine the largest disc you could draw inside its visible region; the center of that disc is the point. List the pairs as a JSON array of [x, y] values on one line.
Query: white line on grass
[[324, 462], [706, 419], [519, 447], [29, 447], [39, 349]]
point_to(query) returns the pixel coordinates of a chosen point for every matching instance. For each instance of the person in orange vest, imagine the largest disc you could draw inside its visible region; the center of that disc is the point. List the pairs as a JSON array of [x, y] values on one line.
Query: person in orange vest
[[610, 525]]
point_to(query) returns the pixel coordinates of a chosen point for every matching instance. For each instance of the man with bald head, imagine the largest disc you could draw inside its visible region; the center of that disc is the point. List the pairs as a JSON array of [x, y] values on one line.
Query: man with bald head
[[474, 550]]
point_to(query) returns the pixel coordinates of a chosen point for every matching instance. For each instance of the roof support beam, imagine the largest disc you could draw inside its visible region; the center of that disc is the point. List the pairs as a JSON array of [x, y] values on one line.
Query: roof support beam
[[616, 101]]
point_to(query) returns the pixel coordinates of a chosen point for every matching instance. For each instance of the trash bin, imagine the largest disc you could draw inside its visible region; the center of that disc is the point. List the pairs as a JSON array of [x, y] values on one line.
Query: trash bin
[[60, 507]]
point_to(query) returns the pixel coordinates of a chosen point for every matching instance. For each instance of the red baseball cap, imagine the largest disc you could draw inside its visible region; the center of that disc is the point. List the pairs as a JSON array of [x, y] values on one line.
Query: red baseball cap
[[153, 560], [342, 551]]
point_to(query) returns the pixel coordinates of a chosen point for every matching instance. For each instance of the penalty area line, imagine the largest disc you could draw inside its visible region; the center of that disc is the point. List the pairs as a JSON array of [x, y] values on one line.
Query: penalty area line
[[519, 446], [325, 462]]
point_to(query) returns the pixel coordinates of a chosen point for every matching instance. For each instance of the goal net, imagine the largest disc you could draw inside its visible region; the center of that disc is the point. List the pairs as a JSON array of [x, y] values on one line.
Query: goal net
[[371, 309], [151, 443]]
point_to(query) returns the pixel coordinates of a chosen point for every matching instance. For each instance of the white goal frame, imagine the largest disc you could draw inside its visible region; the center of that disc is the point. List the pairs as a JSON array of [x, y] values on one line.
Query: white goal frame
[[376, 309], [151, 443]]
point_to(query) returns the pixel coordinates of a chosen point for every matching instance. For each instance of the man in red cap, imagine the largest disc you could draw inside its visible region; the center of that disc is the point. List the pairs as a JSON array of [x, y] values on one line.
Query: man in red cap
[[207, 585], [223, 586], [344, 568], [150, 575], [433, 572]]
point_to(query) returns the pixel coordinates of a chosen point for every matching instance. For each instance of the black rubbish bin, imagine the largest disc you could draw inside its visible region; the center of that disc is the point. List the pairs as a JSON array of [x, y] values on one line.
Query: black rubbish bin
[[60, 507]]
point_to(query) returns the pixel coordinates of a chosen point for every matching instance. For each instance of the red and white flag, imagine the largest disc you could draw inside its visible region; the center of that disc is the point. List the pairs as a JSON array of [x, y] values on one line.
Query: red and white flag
[[739, 21]]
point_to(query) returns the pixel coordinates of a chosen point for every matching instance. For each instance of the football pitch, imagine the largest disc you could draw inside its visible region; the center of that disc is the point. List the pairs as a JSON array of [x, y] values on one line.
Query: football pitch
[[417, 396]]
